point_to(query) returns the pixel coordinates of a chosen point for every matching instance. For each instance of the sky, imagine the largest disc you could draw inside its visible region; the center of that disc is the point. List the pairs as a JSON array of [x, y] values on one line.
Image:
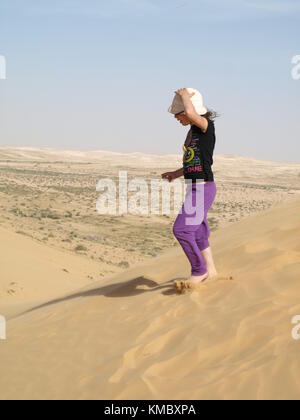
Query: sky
[[100, 75]]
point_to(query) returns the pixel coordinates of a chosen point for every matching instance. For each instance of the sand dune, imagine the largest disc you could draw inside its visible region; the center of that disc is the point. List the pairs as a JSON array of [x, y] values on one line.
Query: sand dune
[[32, 272], [132, 337]]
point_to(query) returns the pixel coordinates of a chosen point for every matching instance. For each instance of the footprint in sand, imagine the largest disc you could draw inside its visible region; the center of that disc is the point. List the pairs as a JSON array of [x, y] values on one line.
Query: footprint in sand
[[14, 288], [11, 292]]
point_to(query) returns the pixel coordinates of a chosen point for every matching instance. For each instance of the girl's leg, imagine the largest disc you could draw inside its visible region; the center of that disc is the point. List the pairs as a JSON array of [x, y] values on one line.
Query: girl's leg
[[186, 236], [187, 239], [202, 240], [210, 264], [203, 233]]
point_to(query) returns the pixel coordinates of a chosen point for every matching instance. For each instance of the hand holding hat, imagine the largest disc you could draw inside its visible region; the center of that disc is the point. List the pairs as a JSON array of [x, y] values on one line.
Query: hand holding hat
[[184, 92], [196, 99]]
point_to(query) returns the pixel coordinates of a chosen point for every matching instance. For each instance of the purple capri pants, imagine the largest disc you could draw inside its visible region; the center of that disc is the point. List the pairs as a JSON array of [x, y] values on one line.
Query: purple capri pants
[[193, 237]]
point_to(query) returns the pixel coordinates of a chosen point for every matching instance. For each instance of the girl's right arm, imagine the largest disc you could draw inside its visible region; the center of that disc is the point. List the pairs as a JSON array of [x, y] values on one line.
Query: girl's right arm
[[171, 176]]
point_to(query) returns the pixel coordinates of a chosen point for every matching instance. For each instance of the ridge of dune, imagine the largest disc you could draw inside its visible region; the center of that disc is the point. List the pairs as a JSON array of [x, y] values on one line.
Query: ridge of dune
[[133, 337]]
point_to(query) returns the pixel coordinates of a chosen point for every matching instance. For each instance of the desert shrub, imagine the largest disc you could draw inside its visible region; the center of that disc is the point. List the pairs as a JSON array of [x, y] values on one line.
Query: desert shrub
[[49, 214], [123, 264], [81, 248]]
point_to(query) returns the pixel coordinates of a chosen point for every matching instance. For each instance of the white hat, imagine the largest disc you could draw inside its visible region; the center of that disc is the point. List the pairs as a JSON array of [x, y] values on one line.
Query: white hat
[[197, 100]]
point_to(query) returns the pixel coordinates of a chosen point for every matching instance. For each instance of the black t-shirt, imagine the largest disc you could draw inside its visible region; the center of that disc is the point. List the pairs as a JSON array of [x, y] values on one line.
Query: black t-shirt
[[198, 157]]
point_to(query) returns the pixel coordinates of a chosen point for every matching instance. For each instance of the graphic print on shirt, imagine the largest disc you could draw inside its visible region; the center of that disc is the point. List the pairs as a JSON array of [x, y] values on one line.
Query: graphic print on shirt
[[189, 155], [191, 159]]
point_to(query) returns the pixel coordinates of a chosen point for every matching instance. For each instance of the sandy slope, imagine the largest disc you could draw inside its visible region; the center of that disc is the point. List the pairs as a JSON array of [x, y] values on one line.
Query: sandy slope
[[132, 337], [33, 272]]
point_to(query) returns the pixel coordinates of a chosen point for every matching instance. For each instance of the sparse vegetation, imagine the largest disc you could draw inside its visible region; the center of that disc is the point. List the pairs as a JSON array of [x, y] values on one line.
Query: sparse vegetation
[[81, 248], [49, 214], [124, 264]]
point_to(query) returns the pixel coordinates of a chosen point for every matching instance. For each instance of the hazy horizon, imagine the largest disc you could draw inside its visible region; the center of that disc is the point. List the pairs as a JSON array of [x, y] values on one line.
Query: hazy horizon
[[90, 151], [100, 75]]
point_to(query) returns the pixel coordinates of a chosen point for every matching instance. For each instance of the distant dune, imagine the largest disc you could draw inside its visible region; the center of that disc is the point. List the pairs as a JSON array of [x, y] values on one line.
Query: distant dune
[[53, 155], [94, 156], [131, 336]]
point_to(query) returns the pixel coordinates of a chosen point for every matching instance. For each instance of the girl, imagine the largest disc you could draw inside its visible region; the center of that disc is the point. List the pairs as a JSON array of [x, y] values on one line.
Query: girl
[[197, 162]]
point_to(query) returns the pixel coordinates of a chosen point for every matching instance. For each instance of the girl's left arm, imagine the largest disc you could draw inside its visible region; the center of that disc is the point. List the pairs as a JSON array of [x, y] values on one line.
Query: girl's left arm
[[190, 112]]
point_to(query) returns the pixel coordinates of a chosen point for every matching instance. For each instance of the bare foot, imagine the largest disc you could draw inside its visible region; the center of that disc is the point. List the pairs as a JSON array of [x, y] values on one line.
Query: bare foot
[[212, 273], [195, 281]]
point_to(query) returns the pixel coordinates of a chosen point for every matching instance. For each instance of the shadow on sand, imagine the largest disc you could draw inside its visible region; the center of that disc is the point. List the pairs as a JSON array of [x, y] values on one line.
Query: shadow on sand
[[129, 288]]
